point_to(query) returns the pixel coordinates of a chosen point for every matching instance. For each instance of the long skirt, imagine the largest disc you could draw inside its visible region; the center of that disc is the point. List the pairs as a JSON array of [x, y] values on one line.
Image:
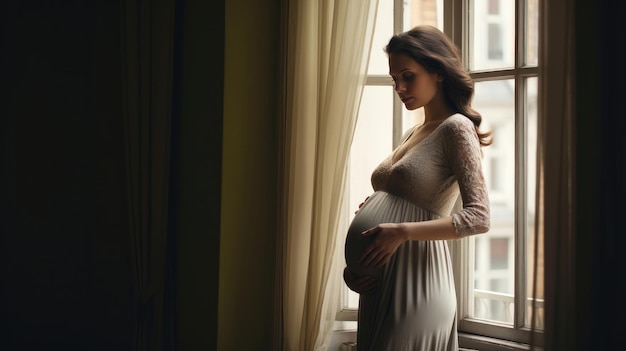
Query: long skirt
[[414, 305]]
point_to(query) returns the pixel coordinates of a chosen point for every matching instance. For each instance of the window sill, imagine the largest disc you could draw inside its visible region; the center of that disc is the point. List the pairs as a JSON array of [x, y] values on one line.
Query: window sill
[[346, 325], [483, 343], [466, 342]]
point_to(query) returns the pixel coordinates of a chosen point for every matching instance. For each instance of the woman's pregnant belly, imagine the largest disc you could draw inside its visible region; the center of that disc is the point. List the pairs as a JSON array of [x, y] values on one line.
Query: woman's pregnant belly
[[381, 207]]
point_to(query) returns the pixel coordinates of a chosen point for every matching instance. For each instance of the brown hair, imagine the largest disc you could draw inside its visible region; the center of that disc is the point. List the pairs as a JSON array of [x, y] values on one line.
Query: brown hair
[[432, 49]]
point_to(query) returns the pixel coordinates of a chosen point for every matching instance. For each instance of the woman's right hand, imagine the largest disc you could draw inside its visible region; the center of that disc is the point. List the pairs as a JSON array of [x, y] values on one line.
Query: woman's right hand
[[363, 285]]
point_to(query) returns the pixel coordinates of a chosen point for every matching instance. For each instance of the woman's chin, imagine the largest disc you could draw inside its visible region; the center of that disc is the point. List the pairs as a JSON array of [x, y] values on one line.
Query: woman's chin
[[411, 105]]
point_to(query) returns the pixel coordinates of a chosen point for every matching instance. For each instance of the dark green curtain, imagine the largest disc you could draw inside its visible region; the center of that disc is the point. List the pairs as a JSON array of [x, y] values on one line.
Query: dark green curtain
[[148, 36]]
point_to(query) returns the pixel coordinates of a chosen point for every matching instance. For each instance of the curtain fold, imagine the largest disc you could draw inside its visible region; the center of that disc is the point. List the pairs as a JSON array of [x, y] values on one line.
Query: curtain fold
[[556, 161], [327, 48], [147, 46]]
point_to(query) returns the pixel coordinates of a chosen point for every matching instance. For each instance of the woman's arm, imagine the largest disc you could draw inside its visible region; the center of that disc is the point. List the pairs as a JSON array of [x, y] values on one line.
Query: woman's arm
[[391, 235]]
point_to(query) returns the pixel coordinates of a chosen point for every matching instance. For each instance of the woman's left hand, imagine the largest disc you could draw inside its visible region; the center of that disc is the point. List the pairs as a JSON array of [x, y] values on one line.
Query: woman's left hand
[[388, 236]]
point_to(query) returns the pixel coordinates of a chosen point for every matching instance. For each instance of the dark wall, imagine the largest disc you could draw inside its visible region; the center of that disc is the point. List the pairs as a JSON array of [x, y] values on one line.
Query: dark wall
[[198, 175], [250, 175], [600, 187], [64, 235], [64, 240]]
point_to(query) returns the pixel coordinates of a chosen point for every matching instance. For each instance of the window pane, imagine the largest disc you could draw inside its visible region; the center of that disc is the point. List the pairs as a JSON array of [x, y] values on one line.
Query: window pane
[[378, 64], [532, 32], [371, 144], [492, 38], [494, 252], [531, 142], [418, 12], [372, 140], [411, 118]]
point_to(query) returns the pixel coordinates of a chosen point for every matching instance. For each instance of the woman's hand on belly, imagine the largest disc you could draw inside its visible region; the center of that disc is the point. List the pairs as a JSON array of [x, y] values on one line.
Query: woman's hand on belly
[[387, 238], [361, 284], [361, 205]]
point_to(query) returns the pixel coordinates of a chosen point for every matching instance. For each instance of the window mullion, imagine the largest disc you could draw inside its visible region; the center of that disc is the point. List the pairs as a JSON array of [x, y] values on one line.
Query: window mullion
[[397, 119], [379, 80], [521, 173], [464, 24], [453, 21], [481, 76], [520, 33], [458, 27], [398, 27], [398, 16], [521, 203]]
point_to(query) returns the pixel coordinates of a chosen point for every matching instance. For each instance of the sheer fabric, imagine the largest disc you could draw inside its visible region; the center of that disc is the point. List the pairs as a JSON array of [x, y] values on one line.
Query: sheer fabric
[[327, 45]]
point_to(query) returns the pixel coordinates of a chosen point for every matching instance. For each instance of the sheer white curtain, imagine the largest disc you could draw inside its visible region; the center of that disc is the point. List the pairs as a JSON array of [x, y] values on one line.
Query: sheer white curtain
[[326, 43]]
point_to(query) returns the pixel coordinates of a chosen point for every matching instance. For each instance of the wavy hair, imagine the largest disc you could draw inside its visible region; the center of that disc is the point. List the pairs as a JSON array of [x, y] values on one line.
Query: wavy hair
[[432, 49]]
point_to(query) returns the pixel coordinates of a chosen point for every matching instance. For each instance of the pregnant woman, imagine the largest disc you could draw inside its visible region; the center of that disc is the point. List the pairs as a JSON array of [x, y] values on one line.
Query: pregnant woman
[[396, 251]]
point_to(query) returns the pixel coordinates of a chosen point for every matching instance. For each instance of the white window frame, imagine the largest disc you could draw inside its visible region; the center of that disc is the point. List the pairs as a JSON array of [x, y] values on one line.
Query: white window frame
[[486, 335]]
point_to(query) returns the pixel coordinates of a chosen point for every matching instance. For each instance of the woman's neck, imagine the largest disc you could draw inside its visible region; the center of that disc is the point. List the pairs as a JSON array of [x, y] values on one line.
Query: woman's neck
[[437, 110]]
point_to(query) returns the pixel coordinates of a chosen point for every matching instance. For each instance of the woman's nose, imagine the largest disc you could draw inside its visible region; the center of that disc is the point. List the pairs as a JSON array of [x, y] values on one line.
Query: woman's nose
[[399, 87]]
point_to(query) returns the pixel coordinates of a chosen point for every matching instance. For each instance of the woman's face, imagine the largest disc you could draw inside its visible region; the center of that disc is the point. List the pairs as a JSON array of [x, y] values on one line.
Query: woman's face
[[415, 86]]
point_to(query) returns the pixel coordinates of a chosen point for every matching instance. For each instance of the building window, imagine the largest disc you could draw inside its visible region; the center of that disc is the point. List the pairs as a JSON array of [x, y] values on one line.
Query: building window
[[499, 253], [494, 7], [494, 41]]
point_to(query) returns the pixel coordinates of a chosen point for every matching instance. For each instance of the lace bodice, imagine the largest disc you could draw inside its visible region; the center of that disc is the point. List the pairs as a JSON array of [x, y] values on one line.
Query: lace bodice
[[437, 170]]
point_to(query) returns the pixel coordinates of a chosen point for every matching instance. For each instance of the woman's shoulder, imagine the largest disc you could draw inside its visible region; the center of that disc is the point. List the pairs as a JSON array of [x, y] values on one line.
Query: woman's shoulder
[[458, 130], [458, 120]]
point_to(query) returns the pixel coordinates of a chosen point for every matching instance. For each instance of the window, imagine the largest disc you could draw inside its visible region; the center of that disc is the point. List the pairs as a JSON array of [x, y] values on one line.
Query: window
[[496, 294], [498, 39]]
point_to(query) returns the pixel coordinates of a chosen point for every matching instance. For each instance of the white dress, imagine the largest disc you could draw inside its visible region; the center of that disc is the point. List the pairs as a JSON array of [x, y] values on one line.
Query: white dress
[[414, 306]]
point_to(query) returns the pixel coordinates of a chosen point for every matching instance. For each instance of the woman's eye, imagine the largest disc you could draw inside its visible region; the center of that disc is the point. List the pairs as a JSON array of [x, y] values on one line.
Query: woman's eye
[[408, 77]]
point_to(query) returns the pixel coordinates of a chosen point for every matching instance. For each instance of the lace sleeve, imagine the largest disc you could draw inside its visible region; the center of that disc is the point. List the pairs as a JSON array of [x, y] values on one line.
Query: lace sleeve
[[464, 154]]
